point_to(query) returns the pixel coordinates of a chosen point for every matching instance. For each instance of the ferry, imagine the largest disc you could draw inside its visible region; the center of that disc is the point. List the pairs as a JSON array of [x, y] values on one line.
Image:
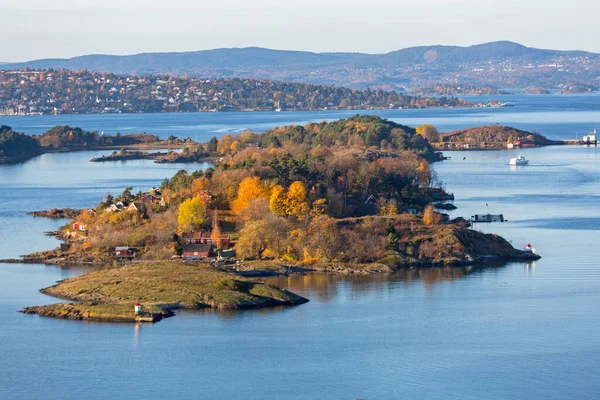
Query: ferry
[[519, 161]]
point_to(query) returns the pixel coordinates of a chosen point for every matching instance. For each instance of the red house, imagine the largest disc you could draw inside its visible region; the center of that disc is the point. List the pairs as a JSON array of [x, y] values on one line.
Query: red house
[[524, 143], [198, 250], [148, 198], [79, 227], [124, 252], [205, 238]]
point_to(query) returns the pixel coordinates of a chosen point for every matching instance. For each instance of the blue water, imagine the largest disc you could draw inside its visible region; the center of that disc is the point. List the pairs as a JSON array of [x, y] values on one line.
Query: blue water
[[515, 331], [556, 116]]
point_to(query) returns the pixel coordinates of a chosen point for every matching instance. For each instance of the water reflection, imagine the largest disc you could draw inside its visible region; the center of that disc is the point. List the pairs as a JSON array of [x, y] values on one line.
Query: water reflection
[[326, 287], [137, 327]]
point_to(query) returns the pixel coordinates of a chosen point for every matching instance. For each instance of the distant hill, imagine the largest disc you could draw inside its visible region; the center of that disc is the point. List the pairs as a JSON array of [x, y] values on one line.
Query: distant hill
[[498, 64]]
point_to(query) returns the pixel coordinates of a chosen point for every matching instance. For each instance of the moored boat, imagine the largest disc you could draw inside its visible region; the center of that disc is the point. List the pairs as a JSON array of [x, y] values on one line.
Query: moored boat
[[519, 161]]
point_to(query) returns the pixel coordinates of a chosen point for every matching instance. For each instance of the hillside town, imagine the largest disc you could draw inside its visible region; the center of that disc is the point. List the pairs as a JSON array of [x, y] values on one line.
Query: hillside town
[[28, 92]]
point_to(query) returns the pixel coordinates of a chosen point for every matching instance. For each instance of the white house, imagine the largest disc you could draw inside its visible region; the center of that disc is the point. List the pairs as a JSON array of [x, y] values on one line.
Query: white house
[[590, 137]]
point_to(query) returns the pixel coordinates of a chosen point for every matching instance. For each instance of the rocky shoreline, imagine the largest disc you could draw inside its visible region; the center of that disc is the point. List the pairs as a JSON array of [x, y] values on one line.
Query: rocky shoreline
[[57, 213], [158, 157]]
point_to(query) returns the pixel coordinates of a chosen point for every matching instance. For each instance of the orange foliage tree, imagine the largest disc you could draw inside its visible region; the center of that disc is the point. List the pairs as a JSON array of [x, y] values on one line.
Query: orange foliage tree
[[250, 188]]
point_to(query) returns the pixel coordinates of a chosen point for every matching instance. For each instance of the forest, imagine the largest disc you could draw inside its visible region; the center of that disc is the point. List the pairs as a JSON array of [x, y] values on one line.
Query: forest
[[16, 146], [354, 191]]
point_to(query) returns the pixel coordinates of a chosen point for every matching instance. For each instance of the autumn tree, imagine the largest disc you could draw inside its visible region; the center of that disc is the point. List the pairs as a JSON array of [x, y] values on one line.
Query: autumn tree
[[199, 185], [429, 132], [387, 207], [224, 144], [269, 235], [192, 215], [250, 188], [429, 216], [424, 174], [293, 203], [319, 207], [296, 201], [215, 234], [277, 201]]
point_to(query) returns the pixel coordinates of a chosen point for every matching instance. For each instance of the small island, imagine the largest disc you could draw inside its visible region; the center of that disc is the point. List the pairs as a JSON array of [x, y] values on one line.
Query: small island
[[354, 196], [110, 294], [188, 155], [17, 147], [492, 137]]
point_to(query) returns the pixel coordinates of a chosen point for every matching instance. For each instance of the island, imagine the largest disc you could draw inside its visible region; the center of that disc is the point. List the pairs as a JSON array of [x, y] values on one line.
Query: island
[[492, 137], [464, 89], [17, 147], [188, 155], [110, 294], [353, 196]]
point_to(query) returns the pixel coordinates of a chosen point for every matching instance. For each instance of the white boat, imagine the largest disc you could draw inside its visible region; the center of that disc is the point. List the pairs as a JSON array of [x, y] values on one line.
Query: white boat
[[519, 161]]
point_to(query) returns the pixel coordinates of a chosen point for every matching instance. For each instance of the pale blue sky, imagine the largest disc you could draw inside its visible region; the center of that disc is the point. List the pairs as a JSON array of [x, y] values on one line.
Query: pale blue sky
[[65, 28]]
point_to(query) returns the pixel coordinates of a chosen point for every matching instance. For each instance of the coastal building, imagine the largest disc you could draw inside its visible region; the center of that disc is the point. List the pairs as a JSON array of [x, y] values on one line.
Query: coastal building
[[79, 227], [113, 208], [590, 138], [148, 198], [521, 143], [193, 251], [223, 240], [124, 252], [137, 206]]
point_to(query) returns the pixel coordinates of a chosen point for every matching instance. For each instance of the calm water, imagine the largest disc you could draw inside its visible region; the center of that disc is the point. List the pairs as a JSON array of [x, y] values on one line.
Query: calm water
[[522, 331], [556, 116]]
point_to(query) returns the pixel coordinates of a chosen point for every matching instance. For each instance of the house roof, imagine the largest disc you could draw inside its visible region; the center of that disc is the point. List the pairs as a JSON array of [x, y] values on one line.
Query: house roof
[[202, 235], [138, 205]]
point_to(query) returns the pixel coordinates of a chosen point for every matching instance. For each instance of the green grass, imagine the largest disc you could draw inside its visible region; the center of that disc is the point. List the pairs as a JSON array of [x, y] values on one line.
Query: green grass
[[110, 294]]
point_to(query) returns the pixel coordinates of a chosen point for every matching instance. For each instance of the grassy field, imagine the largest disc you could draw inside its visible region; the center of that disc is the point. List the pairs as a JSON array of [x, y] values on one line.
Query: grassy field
[[111, 294]]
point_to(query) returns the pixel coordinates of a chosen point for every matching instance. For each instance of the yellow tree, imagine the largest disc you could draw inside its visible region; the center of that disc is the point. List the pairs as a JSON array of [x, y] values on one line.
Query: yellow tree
[[277, 201], [319, 207], [192, 215], [296, 202], [429, 216], [199, 185], [215, 235], [424, 174], [250, 188], [429, 132], [224, 144]]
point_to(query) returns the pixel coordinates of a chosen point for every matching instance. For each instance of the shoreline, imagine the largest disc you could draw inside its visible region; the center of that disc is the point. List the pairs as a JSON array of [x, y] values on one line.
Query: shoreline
[[159, 288]]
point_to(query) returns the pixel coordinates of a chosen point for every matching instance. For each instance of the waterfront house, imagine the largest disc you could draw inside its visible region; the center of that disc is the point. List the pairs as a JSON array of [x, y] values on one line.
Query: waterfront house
[[523, 143], [148, 198], [203, 250], [124, 252], [222, 241], [590, 138], [79, 227], [113, 208], [137, 206]]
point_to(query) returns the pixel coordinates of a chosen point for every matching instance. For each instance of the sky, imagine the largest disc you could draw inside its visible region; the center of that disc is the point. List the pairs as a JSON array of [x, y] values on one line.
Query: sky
[[35, 29]]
